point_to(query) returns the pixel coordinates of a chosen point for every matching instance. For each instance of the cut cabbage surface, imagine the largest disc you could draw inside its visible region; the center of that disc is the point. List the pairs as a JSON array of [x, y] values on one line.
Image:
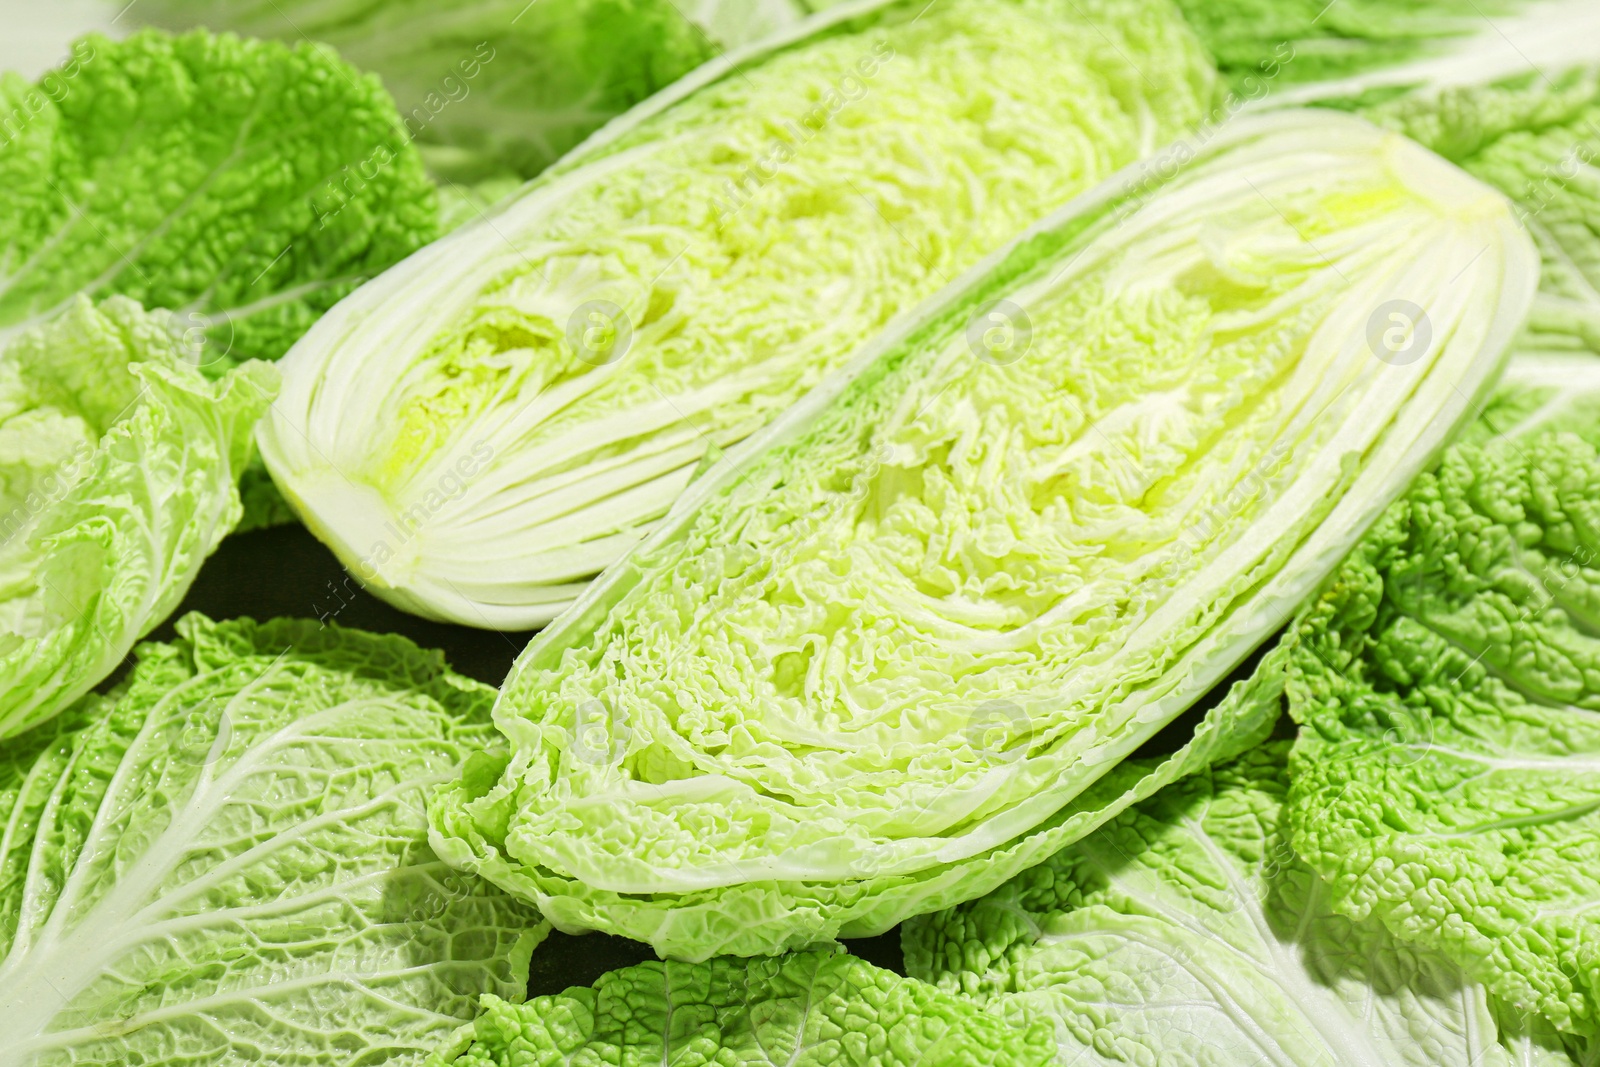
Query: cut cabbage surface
[[876, 657], [484, 428]]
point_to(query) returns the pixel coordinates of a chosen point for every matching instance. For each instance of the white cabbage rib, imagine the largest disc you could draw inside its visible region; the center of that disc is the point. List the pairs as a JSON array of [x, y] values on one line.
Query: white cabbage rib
[[440, 431], [898, 633]]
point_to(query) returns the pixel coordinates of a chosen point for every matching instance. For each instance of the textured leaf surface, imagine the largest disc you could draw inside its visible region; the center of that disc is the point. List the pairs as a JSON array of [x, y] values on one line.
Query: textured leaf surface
[[867, 669], [501, 85], [1187, 931], [225, 861], [807, 1009], [119, 463], [1430, 46], [1448, 686], [244, 185]]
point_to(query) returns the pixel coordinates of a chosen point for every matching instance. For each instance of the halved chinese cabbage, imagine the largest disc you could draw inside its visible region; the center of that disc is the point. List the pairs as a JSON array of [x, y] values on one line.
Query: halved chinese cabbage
[[874, 660], [484, 428]]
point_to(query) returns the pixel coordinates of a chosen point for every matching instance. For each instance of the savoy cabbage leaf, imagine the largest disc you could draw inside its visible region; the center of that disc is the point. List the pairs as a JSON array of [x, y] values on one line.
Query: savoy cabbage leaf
[[501, 86], [1188, 931], [225, 861], [119, 464], [874, 656], [244, 185], [1447, 683], [818, 1008]]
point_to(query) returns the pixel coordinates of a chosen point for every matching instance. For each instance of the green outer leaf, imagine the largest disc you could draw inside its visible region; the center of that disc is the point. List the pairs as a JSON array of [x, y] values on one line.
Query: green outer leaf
[[1187, 931], [225, 861], [809, 1009], [556, 70], [245, 185], [1448, 687], [723, 808], [1263, 46], [264, 506], [102, 536]]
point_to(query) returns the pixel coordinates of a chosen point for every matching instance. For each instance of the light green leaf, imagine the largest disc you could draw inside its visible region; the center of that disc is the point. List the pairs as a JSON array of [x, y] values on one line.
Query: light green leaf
[[118, 469], [1367, 52], [244, 185], [226, 861], [1187, 931], [1264, 47], [501, 86]]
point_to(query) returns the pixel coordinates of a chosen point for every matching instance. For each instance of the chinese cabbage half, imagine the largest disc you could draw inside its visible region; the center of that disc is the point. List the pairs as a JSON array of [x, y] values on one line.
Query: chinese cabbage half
[[875, 657], [484, 428]]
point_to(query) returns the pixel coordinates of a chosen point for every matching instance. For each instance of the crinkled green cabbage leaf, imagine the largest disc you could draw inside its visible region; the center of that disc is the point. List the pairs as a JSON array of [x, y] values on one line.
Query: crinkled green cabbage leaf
[[119, 465], [484, 428], [1187, 931], [225, 861], [1448, 687], [808, 1009], [243, 185], [876, 654], [501, 86]]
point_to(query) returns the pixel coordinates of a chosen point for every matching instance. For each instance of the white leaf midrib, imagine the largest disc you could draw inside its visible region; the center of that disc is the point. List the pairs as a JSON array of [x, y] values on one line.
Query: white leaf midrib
[[1330, 1018], [95, 938]]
